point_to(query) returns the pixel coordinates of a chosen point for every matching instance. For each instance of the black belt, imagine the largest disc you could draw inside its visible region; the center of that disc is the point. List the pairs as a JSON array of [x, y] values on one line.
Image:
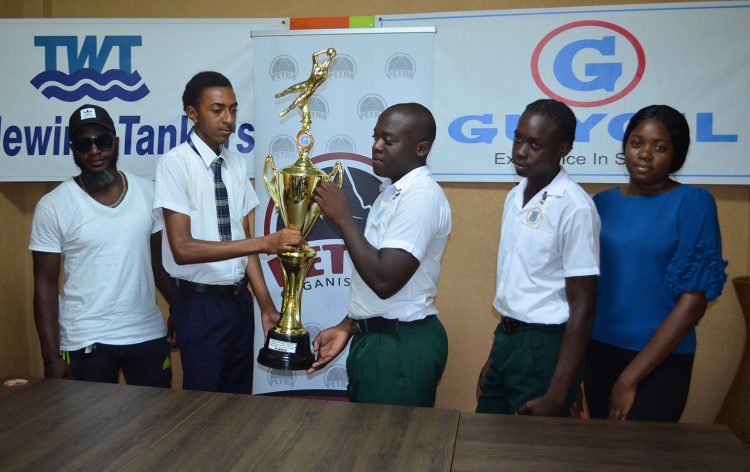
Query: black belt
[[511, 325], [378, 324], [230, 290]]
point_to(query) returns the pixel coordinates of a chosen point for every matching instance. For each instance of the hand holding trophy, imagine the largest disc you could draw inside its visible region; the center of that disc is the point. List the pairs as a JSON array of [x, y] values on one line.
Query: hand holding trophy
[[288, 344]]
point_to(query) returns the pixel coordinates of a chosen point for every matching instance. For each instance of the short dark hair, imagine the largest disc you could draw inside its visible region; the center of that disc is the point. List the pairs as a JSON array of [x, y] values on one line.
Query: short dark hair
[[558, 111], [676, 124], [201, 81], [422, 116]]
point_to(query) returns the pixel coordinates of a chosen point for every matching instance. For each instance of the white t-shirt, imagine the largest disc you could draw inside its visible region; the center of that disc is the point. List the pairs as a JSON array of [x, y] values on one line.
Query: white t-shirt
[[108, 293], [554, 236], [185, 184], [412, 214]]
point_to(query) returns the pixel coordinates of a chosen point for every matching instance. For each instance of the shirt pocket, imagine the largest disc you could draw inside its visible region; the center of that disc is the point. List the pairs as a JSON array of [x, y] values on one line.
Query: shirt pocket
[[536, 247], [380, 217]]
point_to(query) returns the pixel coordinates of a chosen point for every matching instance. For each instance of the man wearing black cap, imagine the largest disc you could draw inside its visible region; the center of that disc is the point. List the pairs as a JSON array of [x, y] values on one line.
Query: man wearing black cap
[[100, 225]]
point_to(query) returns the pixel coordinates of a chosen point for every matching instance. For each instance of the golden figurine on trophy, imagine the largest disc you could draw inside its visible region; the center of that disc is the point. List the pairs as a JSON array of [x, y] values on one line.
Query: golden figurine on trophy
[[288, 344]]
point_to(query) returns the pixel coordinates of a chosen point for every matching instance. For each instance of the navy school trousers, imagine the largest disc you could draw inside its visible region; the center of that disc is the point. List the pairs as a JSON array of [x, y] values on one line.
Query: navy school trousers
[[215, 336]]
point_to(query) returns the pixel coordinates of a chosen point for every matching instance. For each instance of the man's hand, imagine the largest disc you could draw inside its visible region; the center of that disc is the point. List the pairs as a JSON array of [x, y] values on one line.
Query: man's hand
[[269, 318], [285, 240], [621, 399], [332, 202], [58, 369], [329, 344], [541, 406]]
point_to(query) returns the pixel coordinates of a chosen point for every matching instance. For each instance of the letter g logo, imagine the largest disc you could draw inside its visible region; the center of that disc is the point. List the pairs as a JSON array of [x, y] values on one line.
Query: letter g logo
[[584, 64], [605, 74]]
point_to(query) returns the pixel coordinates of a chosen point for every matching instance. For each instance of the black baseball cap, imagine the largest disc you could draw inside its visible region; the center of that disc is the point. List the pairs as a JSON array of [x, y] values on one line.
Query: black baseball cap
[[90, 114]]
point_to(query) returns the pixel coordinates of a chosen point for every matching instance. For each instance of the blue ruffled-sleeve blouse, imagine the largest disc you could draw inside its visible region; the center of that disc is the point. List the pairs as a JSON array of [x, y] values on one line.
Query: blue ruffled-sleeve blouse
[[654, 249]]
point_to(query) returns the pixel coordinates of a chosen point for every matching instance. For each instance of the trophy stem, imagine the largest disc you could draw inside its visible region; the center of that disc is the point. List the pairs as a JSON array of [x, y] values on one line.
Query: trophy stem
[[288, 344], [294, 266]]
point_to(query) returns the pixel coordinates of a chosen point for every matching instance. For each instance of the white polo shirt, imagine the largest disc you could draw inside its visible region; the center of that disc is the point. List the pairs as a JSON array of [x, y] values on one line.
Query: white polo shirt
[[412, 214], [185, 184], [554, 236]]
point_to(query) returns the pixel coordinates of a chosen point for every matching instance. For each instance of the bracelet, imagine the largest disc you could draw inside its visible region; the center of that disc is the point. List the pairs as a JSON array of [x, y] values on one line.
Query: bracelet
[[53, 360]]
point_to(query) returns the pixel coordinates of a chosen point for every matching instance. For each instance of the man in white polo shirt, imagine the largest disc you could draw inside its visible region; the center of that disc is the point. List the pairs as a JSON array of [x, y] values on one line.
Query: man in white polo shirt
[[206, 196], [400, 347], [547, 265]]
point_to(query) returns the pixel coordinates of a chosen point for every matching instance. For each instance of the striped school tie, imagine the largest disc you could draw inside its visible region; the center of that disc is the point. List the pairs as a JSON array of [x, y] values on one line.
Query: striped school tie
[[222, 202]]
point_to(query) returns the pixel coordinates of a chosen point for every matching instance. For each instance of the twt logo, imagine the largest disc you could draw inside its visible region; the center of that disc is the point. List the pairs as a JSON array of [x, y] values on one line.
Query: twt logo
[[588, 63], [86, 74]]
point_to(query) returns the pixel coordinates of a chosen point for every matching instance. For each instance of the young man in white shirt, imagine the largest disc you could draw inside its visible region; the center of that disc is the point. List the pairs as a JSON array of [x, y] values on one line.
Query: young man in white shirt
[[400, 347], [206, 196], [547, 266], [102, 228]]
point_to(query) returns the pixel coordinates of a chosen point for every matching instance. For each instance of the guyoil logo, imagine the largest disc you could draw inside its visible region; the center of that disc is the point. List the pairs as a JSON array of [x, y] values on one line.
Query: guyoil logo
[[86, 75], [588, 63]]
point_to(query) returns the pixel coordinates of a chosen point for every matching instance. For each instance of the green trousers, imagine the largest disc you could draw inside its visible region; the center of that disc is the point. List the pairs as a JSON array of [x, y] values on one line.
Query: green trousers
[[402, 368], [521, 367]]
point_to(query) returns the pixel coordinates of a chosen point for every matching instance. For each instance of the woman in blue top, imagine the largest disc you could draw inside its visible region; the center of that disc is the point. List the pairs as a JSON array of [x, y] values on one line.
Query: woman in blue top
[[661, 264]]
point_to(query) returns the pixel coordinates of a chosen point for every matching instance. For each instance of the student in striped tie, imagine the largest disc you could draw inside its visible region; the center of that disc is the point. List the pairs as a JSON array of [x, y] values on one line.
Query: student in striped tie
[[206, 196]]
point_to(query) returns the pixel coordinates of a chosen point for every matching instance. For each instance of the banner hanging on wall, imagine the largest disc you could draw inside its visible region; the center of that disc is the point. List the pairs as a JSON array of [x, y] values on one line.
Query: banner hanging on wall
[[604, 62], [373, 69], [136, 69]]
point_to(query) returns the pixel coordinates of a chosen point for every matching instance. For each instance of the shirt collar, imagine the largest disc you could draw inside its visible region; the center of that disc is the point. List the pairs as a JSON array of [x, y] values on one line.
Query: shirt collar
[[556, 188], [207, 154], [388, 188]]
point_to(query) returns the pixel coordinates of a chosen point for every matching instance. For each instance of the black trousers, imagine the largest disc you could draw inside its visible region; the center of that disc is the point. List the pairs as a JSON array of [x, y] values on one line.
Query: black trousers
[[215, 335], [147, 363], [661, 396]]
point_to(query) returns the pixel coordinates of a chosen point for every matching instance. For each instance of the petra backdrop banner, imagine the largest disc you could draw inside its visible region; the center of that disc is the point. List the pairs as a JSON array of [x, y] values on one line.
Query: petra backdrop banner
[[136, 69], [373, 69], [606, 63]]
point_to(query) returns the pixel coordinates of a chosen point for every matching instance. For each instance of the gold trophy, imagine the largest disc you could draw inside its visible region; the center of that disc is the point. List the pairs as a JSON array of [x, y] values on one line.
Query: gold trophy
[[288, 343]]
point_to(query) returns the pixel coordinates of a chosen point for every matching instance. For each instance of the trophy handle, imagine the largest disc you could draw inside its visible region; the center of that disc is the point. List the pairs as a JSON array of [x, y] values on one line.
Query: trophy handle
[[337, 171], [271, 187]]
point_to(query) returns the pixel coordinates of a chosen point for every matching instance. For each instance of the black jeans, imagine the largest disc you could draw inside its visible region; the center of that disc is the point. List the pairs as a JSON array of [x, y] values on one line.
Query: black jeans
[[147, 363]]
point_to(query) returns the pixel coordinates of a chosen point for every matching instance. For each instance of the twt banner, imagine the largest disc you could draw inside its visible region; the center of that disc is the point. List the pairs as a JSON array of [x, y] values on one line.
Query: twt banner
[[604, 62], [136, 69], [372, 70]]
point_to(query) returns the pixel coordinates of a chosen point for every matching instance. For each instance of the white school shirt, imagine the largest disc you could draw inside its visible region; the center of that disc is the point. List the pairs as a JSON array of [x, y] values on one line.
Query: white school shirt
[[108, 293], [412, 214], [185, 184], [541, 244]]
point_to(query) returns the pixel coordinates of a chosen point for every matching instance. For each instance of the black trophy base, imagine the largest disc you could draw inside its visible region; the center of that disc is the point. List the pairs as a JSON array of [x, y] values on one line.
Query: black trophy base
[[286, 352]]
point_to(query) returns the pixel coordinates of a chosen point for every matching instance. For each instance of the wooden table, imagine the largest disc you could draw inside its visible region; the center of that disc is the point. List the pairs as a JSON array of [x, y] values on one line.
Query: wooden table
[[522, 443], [70, 425]]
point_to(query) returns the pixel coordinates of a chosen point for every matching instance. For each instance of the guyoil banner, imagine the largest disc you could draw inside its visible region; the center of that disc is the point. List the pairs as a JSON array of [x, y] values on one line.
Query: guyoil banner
[[606, 63]]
